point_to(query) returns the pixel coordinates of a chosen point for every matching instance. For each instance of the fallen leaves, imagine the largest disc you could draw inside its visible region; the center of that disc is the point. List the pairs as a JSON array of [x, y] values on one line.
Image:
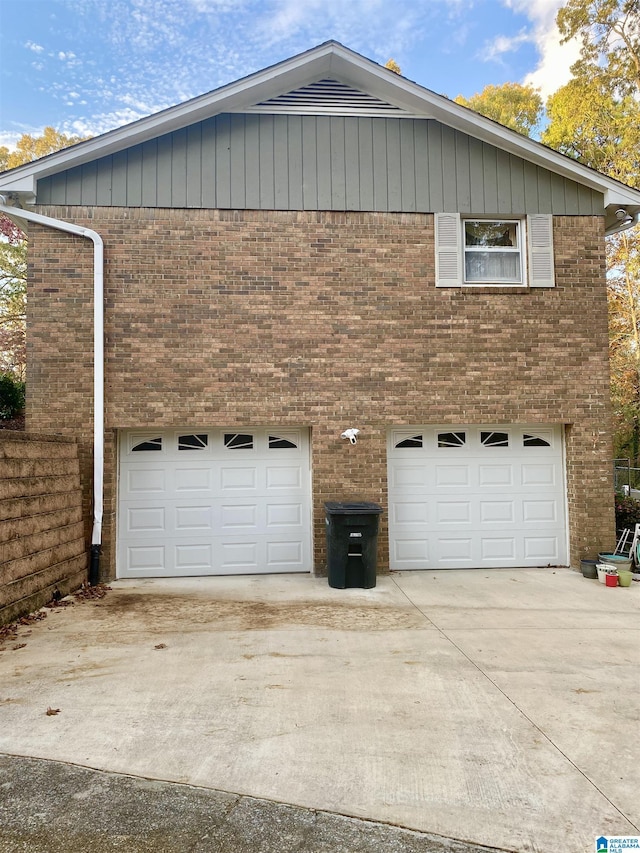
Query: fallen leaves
[[51, 712], [90, 593], [160, 646]]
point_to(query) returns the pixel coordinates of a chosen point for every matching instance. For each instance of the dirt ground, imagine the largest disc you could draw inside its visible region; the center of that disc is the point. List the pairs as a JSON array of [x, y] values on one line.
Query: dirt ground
[[13, 423]]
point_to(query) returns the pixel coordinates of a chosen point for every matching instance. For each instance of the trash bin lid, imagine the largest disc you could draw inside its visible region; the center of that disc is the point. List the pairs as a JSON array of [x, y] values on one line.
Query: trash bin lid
[[352, 508]]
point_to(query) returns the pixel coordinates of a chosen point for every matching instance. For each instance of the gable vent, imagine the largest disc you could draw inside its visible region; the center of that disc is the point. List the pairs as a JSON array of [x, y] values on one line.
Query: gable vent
[[327, 96]]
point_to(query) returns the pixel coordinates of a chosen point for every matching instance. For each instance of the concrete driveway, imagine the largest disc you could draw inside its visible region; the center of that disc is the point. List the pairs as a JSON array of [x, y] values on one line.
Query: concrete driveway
[[500, 708]]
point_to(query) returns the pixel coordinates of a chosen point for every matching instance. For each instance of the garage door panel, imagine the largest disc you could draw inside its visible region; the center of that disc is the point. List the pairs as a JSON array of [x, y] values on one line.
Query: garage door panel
[[407, 476], [283, 515], [495, 476], [240, 554], [142, 481], [194, 557], [497, 512], [410, 512], [474, 496], [453, 476], [453, 512], [283, 477], [146, 558], [238, 516], [145, 519], [285, 553], [192, 518], [538, 474], [411, 551], [455, 550], [235, 509], [240, 478], [540, 511], [498, 548], [541, 548]]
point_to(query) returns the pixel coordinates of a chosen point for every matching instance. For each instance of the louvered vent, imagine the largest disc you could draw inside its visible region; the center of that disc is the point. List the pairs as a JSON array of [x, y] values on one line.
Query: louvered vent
[[328, 96]]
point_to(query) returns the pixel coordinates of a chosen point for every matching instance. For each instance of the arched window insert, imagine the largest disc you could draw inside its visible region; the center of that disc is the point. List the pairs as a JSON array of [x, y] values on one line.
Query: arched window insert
[[277, 443], [414, 441], [530, 440], [148, 444]]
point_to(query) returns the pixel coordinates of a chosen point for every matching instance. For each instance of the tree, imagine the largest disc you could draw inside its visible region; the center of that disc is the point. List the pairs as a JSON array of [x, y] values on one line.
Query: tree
[[623, 256], [610, 34], [30, 148], [513, 105], [596, 119], [392, 65], [590, 123], [13, 254]]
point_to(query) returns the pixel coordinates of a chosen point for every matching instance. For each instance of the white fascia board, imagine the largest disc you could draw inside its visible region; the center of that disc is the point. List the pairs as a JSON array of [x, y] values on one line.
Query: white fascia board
[[18, 184]]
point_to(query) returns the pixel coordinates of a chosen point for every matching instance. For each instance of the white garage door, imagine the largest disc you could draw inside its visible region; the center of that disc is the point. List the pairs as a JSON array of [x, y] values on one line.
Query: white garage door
[[207, 502], [476, 497]]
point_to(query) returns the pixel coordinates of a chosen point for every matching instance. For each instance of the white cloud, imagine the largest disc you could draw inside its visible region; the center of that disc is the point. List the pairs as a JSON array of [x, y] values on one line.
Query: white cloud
[[555, 59], [9, 139], [495, 49], [36, 48]]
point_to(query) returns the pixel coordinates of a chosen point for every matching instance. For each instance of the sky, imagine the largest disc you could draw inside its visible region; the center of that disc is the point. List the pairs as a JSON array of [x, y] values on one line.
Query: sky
[[88, 66]]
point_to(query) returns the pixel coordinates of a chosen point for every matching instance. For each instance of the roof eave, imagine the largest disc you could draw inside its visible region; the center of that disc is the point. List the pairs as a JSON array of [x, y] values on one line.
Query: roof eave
[[330, 59]]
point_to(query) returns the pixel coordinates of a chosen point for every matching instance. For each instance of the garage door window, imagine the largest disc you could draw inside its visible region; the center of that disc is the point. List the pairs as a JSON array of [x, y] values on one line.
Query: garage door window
[[413, 441], [452, 439], [494, 439], [278, 443], [193, 442], [238, 441], [148, 444], [529, 440]]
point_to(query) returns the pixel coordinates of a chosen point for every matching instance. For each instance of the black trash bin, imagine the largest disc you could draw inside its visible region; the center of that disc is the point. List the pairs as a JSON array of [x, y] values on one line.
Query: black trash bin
[[352, 542]]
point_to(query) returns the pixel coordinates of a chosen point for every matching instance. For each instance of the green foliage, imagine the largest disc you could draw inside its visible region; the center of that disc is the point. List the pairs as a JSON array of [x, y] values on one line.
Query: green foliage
[[13, 288], [627, 512], [515, 106], [13, 253], [11, 396], [595, 118], [610, 34], [589, 122]]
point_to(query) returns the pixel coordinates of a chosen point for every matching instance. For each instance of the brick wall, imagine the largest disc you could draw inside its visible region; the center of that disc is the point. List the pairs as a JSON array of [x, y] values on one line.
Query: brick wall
[[42, 547], [319, 319]]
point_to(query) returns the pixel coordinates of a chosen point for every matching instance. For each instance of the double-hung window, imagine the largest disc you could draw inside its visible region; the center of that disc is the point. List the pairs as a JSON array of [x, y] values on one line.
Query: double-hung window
[[493, 251], [473, 251]]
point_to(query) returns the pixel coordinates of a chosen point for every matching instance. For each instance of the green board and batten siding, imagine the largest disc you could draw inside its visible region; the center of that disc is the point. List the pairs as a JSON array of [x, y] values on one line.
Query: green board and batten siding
[[289, 162]]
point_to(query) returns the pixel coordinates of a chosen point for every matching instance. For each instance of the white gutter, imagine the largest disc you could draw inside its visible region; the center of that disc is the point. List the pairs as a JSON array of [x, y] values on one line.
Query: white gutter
[[16, 213]]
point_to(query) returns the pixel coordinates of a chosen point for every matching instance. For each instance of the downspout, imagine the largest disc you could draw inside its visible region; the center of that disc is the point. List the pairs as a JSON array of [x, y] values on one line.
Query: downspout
[[98, 365]]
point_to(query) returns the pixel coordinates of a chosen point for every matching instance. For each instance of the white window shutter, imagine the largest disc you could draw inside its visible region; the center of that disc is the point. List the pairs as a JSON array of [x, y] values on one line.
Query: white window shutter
[[448, 250], [540, 238]]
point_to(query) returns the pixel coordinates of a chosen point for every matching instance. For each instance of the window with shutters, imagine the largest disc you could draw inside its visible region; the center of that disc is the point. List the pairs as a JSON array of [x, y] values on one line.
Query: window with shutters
[[475, 251]]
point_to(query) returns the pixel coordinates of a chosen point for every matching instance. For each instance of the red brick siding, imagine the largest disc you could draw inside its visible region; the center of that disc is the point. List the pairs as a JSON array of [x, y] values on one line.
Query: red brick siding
[[326, 320]]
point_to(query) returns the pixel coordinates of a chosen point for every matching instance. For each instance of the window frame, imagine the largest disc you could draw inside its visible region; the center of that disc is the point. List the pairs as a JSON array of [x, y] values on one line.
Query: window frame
[[520, 250]]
